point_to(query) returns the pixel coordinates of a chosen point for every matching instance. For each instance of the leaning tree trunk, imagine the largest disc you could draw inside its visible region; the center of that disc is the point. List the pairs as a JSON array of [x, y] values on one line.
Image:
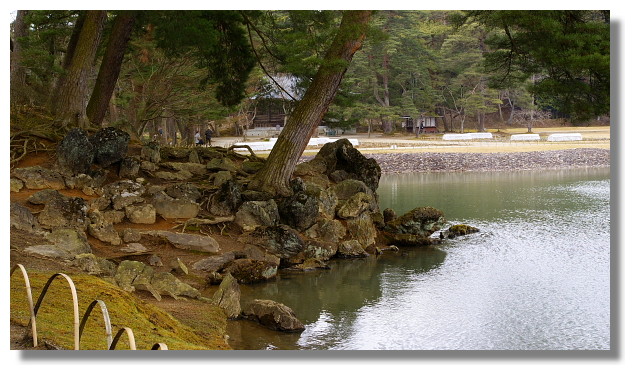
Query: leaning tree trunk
[[18, 73], [110, 67], [274, 177], [69, 102]]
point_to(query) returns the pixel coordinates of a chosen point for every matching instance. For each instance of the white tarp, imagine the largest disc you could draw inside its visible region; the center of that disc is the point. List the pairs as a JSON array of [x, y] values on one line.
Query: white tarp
[[524, 137], [560, 137]]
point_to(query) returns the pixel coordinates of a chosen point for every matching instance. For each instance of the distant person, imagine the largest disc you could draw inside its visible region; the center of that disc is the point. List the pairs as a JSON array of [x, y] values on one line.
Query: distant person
[[208, 136], [197, 138]]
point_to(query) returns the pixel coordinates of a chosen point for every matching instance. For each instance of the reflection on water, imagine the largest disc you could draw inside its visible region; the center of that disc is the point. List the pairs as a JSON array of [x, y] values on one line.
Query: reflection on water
[[535, 277]]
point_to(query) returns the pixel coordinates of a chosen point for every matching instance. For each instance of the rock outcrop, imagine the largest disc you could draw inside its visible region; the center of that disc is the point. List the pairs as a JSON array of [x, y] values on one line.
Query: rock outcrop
[[273, 315]]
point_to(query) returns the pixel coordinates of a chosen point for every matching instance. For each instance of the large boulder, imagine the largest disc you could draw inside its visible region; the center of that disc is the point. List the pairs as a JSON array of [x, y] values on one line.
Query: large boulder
[[171, 208], [37, 177], [273, 315], [339, 160], [421, 221], [64, 243], [227, 297], [355, 206], [279, 240], [226, 200], [351, 249], [64, 212], [75, 153], [257, 213], [249, 271], [21, 218], [301, 210], [327, 230], [111, 146]]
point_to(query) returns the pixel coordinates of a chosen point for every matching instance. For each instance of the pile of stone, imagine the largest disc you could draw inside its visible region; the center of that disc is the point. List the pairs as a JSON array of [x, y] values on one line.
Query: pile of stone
[[332, 212]]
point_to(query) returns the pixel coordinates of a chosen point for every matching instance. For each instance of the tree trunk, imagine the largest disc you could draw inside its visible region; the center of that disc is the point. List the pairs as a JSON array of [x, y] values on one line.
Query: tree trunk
[[18, 73], [481, 122], [69, 101], [110, 67], [274, 177]]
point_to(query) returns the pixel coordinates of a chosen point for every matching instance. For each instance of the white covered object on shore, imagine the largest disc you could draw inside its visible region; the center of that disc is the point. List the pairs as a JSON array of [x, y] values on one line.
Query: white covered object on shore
[[524, 137], [562, 137], [268, 145], [457, 137], [481, 135]]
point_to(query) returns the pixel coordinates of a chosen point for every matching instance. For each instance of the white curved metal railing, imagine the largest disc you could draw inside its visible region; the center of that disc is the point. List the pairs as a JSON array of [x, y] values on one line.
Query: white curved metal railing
[[78, 328]]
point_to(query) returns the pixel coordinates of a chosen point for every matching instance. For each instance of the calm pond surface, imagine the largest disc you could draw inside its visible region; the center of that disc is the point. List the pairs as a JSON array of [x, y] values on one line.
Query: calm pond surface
[[536, 277]]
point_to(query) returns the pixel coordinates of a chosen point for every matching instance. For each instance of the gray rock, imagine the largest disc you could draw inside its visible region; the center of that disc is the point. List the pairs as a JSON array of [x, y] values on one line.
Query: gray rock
[[355, 205], [174, 176], [279, 240], [130, 235], [300, 210], [351, 249], [37, 177], [75, 153], [102, 229], [221, 164], [407, 239], [151, 152], [124, 193], [65, 244], [111, 146], [155, 261], [421, 221], [193, 157], [362, 229], [16, 185], [213, 263], [62, 211], [134, 248], [114, 216], [93, 265], [144, 214], [21, 218], [248, 271], [327, 230], [221, 177], [228, 297], [44, 196], [184, 191], [133, 275], [129, 167], [186, 241], [273, 315], [226, 200], [389, 215], [338, 157], [193, 168], [170, 208], [177, 266], [257, 213], [148, 166]]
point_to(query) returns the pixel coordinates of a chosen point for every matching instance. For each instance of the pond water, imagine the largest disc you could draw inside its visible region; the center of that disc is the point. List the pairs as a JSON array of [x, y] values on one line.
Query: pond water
[[536, 277]]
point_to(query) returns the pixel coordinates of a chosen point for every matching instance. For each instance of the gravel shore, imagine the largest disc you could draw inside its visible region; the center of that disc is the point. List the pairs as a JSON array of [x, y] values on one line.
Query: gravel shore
[[512, 161]]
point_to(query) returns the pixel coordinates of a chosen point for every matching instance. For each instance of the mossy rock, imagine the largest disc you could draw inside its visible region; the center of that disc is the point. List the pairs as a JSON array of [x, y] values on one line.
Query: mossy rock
[[149, 323], [461, 230]]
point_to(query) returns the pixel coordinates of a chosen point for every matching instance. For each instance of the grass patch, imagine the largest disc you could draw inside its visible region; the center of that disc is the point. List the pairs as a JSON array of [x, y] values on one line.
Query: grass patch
[[149, 323]]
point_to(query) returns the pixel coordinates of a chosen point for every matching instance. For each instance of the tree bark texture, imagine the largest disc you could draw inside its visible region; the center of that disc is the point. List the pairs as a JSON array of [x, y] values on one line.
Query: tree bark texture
[[69, 101], [18, 73], [274, 177], [110, 67]]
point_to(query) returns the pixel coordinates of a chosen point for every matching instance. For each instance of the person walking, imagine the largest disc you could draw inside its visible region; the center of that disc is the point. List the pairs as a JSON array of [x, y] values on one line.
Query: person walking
[[208, 136]]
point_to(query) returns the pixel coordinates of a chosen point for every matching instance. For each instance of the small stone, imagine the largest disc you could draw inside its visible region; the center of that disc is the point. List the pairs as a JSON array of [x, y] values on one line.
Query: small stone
[[16, 185], [145, 214], [134, 248], [179, 267], [130, 235]]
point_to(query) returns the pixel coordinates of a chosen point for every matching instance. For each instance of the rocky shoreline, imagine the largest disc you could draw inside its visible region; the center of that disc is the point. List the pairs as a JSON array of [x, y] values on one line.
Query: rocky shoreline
[[395, 163]]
